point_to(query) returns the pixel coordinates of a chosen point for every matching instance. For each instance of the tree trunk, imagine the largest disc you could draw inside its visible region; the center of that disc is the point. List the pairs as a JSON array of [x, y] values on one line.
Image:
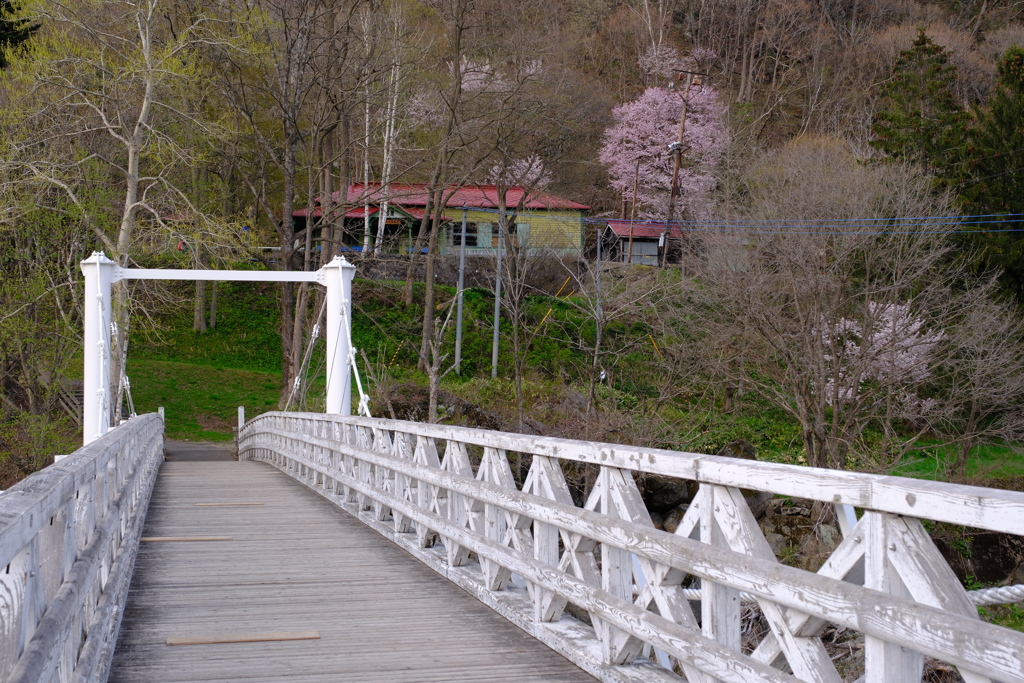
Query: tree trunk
[[199, 310], [421, 237], [345, 180], [213, 304], [428, 284], [592, 384], [289, 352]]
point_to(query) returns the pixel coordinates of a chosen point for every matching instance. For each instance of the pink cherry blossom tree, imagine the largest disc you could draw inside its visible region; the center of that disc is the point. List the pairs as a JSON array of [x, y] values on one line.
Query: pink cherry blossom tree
[[529, 173], [642, 131], [890, 347]]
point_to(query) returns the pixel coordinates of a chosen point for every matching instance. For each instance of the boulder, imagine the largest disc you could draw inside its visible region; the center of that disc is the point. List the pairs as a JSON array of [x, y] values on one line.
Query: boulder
[[671, 521], [662, 494], [740, 448]]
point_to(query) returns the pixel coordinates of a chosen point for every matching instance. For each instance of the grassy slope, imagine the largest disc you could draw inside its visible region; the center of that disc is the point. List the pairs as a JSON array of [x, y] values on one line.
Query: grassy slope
[[202, 378], [200, 401], [990, 461]]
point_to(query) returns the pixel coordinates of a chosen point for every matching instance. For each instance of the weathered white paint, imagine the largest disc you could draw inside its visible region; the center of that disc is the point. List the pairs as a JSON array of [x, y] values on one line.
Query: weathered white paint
[[416, 481], [69, 536], [218, 275], [992, 509], [337, 277], [100, 273]]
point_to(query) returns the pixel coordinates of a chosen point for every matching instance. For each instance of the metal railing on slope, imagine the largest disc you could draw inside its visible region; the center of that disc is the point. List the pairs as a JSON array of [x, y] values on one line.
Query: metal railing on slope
[[415, 484], [68, 539]]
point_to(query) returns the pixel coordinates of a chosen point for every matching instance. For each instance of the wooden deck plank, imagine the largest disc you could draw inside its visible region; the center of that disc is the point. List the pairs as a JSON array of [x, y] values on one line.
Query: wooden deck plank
[[297, 563]]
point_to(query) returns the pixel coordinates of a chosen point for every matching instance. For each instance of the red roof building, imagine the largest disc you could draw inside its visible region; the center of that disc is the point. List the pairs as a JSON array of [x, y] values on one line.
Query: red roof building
[[540, 219]]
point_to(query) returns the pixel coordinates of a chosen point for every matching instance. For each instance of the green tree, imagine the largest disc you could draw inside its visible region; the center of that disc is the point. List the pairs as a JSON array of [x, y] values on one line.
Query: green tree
[[104, 112], [921, 120], [992, 180], [13, 31]]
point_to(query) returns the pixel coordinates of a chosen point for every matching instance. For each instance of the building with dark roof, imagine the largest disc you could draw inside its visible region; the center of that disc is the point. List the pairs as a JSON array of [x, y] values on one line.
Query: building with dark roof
[[636, 241]]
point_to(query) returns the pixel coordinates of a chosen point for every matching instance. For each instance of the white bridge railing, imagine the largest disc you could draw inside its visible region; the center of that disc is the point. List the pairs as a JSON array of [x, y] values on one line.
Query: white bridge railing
[[68, 539], [529, 552]]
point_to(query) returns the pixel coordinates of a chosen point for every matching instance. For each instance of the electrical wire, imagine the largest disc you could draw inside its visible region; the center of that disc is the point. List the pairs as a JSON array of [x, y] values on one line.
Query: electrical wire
[[832, 226]]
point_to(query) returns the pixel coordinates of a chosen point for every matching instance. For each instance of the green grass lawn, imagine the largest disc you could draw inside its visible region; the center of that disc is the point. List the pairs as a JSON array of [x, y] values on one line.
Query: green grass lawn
[[991, 461], [201, 401]]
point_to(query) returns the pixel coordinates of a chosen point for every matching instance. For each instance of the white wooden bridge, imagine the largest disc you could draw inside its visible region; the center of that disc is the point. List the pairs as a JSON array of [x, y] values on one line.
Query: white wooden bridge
[[342, 548], [269, 549]]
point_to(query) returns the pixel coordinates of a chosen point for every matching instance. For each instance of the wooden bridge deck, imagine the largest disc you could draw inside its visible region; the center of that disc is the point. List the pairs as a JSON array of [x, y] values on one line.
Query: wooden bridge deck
[[296, 563]]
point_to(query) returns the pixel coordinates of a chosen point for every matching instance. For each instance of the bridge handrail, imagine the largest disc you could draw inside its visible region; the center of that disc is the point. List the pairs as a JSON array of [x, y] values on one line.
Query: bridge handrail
[[910, 600], [68, 539], [973, 506]]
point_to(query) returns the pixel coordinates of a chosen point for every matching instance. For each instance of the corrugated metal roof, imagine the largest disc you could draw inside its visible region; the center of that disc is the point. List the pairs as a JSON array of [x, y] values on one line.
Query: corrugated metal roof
[[417, 213], [360, 212], [641, 229], [357, 212], [472, 196]]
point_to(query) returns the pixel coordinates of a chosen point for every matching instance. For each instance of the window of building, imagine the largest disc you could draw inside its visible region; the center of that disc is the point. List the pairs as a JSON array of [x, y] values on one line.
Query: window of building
[[471, 234], [513, 231]]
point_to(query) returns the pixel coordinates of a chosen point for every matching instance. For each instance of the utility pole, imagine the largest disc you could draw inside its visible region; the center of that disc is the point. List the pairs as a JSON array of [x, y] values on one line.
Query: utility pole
[[598, 311], [462, 281], [676, 148], [497, 298], [632, 213]]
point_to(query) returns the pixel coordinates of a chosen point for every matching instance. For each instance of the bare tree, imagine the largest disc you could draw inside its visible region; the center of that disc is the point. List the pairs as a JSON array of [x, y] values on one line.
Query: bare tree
[[839, 320], [273, 81], [609, 296], [980, 380]]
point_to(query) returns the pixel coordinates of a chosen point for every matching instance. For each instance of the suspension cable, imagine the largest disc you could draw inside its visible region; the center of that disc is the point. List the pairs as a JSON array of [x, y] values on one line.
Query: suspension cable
[[346, 326], [304, 366]]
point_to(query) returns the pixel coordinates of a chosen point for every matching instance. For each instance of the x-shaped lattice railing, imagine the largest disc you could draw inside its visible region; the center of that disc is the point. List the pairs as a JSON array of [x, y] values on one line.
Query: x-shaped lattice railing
[[452, 494]]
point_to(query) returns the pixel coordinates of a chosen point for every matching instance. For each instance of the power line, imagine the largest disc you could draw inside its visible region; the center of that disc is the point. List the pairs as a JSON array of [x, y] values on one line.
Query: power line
[[831, 226]]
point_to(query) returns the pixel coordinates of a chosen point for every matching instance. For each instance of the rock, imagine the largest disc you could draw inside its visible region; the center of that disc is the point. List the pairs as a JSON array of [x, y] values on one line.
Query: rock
[[758, 502], [740, 448], [829, 536], [531, 426], [658, 521], [662, 494], [411, 402], [777, 542], [989, 556], [1017, 577], [812, 554], [575, 400], [673, 518]]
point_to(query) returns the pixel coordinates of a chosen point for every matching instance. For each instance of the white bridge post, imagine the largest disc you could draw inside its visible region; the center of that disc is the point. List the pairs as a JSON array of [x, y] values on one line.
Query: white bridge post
[[100, 273], [337, 278]]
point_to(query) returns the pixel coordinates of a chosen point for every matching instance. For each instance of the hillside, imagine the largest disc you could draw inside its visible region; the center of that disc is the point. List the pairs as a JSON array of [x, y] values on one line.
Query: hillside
[[200, 379]]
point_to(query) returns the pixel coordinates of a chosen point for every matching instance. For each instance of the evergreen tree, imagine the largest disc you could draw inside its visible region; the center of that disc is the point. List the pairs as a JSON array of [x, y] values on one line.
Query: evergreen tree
[[12, 31], [993, 172], [921, 120]]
